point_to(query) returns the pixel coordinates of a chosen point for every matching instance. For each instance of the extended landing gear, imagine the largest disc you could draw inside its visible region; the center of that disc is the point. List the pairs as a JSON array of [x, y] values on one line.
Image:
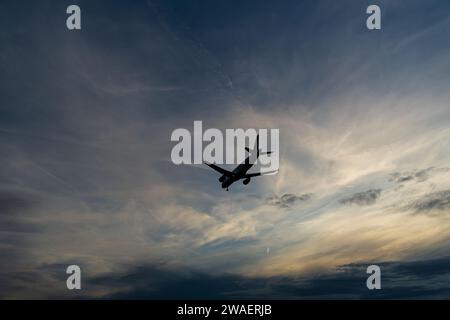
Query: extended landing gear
[[227, 189]]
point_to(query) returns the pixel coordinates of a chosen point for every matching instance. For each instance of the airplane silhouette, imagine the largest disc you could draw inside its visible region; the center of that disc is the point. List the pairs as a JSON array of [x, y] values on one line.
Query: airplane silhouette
[[240, 172]]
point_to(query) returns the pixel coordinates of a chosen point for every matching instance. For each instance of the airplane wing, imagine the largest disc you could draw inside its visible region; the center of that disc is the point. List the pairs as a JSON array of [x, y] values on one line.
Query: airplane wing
[[219, 169], [250, 175]]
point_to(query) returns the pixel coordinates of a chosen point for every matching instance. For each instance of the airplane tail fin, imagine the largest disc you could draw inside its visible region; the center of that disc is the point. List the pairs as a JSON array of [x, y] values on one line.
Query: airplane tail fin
[[257, 146], [258, 152]]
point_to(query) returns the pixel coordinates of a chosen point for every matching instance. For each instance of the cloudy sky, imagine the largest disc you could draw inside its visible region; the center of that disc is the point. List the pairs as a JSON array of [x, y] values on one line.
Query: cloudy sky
[[86, 176]]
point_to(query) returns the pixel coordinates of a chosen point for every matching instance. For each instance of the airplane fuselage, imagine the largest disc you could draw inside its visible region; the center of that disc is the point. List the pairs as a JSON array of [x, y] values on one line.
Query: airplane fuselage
[[238, 173]]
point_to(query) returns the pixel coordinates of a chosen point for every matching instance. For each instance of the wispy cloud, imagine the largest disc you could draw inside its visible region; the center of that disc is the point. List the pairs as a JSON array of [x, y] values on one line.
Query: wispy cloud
[[364, 198], [287, 200], [430, 202]]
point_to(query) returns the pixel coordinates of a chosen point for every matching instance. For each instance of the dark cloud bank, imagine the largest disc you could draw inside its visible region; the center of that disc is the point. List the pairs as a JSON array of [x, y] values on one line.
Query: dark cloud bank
[[423, 279], [400, 280]]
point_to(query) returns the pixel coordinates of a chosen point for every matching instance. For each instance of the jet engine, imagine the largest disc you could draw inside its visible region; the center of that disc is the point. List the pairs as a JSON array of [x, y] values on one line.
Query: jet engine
[[246, 181], [222, 178]]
